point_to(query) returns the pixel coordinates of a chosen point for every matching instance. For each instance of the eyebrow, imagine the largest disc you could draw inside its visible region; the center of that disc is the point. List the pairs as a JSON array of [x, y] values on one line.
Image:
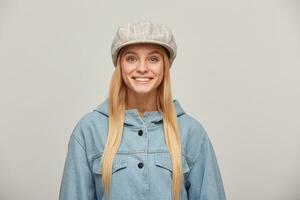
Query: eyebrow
[[154, 51]]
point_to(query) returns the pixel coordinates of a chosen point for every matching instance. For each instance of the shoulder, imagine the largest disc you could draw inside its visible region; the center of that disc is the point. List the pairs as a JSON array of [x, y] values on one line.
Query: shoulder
[[88, 125], [88, 119], [192, 127], [193, 135]]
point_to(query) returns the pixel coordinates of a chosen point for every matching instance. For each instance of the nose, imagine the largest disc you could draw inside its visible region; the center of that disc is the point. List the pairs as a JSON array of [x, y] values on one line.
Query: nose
[[142, 67]]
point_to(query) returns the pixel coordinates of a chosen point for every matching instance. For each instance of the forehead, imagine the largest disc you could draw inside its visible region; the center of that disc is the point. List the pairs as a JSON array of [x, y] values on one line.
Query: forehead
[[147, 47]]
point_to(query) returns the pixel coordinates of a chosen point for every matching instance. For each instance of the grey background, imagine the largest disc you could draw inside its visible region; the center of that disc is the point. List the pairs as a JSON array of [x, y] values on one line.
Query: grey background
[[237, 72]]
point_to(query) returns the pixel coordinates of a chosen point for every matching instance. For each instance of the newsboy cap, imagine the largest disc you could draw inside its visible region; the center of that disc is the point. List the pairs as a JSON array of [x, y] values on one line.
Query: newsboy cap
[[143, 31]]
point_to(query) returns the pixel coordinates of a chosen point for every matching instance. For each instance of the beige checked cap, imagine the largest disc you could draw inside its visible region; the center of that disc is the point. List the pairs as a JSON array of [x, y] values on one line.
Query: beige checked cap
[[143, 31]]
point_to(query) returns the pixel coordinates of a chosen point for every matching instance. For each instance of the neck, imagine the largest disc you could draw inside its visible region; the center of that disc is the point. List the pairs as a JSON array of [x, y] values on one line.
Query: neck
[[142, 102]]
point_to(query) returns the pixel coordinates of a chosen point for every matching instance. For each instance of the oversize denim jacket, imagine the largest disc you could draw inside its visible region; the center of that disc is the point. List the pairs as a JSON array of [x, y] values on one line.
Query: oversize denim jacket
[[142, 167]]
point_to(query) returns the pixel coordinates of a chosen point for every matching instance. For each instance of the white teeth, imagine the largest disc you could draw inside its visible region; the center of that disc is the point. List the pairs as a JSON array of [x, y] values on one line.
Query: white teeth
[[141, 79]]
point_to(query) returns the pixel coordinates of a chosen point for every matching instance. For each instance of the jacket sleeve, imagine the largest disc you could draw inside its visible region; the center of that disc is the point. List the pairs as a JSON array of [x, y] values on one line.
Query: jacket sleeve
[[204, 180], [77, 179]]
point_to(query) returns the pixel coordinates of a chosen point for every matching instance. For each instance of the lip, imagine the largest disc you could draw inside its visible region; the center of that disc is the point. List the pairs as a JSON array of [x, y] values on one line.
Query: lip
[[146, 81], [142, 77]]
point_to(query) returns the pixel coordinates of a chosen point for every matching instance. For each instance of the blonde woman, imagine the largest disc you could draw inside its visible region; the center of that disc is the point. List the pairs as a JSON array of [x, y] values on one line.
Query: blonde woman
[[139, 143]]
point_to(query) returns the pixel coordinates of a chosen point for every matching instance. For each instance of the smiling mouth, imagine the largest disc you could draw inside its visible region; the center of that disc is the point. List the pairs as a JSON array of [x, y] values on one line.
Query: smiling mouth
[[142, 79]]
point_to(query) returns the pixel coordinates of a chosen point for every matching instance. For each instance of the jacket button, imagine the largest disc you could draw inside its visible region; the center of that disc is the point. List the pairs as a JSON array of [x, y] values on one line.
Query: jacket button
[[140, 165], [140, 132]]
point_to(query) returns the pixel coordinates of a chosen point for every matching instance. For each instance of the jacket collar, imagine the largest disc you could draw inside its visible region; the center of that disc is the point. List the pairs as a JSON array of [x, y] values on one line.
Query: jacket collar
[[132, 116]]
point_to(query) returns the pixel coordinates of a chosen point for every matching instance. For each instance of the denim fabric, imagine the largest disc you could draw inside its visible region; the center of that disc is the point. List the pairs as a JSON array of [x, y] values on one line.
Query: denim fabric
[[142, 168]]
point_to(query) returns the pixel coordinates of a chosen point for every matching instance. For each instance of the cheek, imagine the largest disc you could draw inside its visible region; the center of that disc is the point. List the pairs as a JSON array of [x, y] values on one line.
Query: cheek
[[126, 78], [125, 72], [161, 76], [126, 69], [159, 71]]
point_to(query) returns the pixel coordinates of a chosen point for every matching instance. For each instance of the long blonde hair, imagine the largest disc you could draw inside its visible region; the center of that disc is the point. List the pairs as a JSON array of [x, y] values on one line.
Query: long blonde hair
[[117, 106]]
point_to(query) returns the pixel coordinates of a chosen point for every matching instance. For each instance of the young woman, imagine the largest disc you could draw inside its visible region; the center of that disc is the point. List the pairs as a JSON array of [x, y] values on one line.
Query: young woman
[[139, 143]]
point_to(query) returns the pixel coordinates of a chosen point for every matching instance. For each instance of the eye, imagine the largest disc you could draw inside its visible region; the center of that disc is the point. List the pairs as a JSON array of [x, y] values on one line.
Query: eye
[[154, 59], [130, 58]]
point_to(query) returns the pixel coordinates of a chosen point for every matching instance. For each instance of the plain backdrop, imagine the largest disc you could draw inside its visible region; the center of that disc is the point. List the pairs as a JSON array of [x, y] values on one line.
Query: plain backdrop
[[237, 71]]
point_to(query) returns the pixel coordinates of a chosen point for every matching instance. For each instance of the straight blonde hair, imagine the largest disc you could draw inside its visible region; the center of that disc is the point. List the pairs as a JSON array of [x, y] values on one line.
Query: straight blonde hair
[[117, 106]]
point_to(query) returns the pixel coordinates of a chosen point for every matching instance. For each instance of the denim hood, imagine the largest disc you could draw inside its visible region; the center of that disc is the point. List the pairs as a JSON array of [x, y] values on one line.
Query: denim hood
[[132, 116]]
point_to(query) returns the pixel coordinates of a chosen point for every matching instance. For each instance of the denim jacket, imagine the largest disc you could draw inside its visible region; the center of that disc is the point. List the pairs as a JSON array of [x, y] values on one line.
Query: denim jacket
[[142, 167]]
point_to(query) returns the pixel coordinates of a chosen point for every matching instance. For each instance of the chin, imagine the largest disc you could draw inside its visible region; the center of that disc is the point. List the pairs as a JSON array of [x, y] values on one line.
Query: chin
[[142, 92], [141, 89]]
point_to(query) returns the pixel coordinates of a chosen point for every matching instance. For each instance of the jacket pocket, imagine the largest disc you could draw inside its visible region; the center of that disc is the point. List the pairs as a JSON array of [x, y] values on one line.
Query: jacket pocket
[[163, 160], [120, 162], [164, 173]]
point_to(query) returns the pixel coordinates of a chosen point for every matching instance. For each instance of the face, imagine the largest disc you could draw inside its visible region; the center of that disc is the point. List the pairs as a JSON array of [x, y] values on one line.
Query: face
[[142, 68]]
